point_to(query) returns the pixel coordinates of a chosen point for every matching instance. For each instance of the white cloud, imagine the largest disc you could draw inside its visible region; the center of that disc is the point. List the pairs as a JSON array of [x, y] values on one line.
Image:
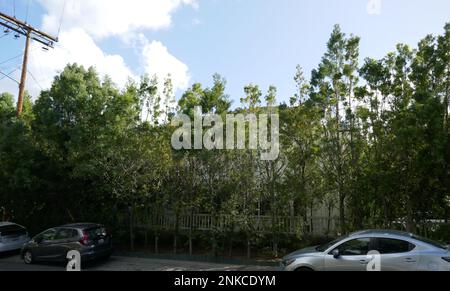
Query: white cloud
[[75, 46], [104, 18], [87, 21], [374, 7], [196, 22], [158, 61]]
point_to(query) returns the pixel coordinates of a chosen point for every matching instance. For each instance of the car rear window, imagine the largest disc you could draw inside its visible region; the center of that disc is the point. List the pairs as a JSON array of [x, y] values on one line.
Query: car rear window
[[66, 233], [95, 232], [393, 246], [12, 230]]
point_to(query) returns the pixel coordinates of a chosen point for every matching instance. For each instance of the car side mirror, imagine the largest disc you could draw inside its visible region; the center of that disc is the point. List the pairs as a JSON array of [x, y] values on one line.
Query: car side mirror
[[336, 254]]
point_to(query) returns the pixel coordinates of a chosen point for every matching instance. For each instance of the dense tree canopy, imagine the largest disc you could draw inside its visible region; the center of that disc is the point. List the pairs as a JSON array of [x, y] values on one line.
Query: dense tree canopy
[[370, 141]]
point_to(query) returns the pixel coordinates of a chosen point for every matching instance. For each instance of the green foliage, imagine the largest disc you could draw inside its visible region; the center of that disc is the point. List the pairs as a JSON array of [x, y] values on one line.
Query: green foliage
[[371, 142], [442, 233]]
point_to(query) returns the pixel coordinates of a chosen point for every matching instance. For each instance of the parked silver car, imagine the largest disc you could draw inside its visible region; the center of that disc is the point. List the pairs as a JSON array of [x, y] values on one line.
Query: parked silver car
[[12, 236], [362, 251]]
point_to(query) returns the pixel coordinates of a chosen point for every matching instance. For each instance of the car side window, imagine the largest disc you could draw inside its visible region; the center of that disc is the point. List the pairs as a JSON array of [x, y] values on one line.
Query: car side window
[[356, 247], [65, 233], [393, 246], [49, 235]]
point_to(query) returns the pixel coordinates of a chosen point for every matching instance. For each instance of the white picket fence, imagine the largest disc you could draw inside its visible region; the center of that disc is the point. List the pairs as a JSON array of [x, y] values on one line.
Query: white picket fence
[[257, 224]]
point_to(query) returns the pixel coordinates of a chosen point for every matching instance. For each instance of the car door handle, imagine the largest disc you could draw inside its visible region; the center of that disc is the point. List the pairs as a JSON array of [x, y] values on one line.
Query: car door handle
[[363, 262], [410, 260]]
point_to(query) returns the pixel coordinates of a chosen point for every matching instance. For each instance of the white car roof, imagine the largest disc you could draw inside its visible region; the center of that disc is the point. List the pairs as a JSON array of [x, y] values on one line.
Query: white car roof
[[381, 232]]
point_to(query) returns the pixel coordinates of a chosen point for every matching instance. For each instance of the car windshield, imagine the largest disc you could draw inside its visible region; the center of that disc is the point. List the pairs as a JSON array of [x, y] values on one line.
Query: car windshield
[[326, 246], [431, 242]]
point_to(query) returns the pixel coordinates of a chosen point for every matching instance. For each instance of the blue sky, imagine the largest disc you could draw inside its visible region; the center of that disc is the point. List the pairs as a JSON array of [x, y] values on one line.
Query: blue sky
[[246, 41]]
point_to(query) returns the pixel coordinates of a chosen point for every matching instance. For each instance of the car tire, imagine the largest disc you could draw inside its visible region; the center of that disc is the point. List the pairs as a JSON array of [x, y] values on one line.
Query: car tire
[[28, 257], [304, 269]]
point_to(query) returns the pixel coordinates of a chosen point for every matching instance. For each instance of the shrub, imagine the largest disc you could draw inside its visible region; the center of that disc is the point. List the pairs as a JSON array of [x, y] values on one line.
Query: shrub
[[442, 233]]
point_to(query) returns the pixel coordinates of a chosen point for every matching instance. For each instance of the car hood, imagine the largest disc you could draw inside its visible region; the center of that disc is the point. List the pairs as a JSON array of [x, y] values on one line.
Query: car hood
[[302, 252]]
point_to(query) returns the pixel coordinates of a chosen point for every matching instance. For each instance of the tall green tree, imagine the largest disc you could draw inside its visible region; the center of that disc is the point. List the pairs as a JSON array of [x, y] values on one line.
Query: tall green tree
[[332, 87]]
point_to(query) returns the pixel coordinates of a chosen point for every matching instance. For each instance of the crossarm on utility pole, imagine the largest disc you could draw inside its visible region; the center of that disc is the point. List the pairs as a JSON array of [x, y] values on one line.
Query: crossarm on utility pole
[[31, 33]]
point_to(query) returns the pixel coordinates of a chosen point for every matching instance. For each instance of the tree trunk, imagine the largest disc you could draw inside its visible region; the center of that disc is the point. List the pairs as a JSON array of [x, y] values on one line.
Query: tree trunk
[[214, 246], [191, 251], [292, 216], [275, 247], [214, 237], [330, 207], [249, 247], [175, 243], [191, 226], [387, 223], [447, 149], [230, 246], [342, 214], [339, 163], [410, 223], [156, 242], [410, 226], [175, 237], [131, 229]]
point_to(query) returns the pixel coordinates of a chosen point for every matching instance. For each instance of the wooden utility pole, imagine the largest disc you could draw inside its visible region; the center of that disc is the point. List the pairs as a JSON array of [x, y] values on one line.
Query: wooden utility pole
[[31, 33], [23, 78]]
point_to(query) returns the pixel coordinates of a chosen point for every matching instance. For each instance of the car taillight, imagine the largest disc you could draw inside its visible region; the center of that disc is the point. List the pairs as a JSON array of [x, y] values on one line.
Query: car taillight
[[84, 239], [447, 259]]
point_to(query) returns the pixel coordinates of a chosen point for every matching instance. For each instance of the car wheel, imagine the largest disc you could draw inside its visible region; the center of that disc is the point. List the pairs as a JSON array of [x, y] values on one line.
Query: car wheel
[[28, 257], [304, 269]]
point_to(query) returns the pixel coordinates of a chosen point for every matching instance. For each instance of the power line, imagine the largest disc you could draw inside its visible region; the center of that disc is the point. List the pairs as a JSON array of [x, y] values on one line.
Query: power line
[[10, 73], [31, 33], [32, 76], [28, 9], [16, 57], [8, 60], [22, 28], [15, 64], [62, 15], [9, 77]]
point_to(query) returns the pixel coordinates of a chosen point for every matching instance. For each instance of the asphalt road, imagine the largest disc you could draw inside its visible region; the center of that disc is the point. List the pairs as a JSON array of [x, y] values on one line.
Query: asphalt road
[[12, 262]]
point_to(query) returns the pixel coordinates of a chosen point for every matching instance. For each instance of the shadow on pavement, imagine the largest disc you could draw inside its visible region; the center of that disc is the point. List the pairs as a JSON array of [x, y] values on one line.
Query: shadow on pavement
[[13, 260], [89, 266], [200, 259], [9, 254], [86, 266]]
